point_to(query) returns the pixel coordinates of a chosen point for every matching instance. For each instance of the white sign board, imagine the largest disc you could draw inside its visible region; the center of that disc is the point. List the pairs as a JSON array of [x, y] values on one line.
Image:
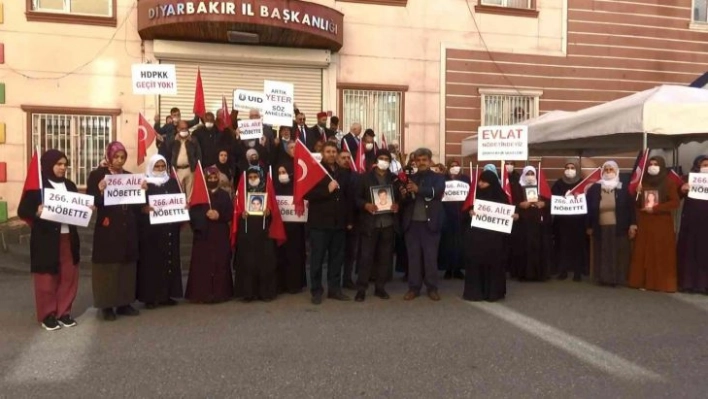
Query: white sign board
[[455, 191], [569, 205], [168, 208], [493, 216], [67, 207], [506, 143], [287, 209], [698, 183], [124, 190], [280, 103], [246, 100], [250, 129], [154, 79]]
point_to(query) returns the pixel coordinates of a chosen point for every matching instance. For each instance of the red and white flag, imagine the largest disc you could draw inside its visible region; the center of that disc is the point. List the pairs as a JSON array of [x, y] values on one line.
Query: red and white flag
[[146, 136], [33, 181], [199, 106], [638, 173], [308, 172], [239, 207], [675, 178], [361, 157], [586, 183], [384, 144], [200, 193], [472, 194], [225, 119], [276, 231], [352, 162], [506, 184]]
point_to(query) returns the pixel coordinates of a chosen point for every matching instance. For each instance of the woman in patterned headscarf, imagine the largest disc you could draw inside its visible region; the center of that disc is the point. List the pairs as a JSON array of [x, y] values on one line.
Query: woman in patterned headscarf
[[692, 248], [115, 242], [569, 230], [654, 257]]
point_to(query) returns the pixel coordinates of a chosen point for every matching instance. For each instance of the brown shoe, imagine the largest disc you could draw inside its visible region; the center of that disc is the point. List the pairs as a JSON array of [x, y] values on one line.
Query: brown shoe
[[434, 295], [410, 295]]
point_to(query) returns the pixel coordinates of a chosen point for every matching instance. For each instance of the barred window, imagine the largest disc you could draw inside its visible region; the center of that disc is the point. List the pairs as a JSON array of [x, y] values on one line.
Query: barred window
[[524, 4], [99, 8], [700, 11], [380, 110], [502, 108], [82, 137]]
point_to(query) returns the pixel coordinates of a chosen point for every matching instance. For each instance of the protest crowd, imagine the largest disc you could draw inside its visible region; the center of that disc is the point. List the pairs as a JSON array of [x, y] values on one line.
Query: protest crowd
[[264, 209]]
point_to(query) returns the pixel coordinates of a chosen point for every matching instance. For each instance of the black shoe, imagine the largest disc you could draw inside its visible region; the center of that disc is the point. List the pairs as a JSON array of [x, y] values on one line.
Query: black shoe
[[577, 278], [360, 296], [108, 314], [50, 323], [562, 276], [448, 275], [317, 299], [458, 275], [169, 302], [349, 285], [67, 321], [127, 310], [339, 296], [381, 294], [150, 305]]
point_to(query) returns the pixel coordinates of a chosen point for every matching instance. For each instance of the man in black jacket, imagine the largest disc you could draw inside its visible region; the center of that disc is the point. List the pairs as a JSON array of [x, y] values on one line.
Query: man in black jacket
[[211, 140], [376, 225], [327, 220], [303, 133], [423, 218], [166, 134]]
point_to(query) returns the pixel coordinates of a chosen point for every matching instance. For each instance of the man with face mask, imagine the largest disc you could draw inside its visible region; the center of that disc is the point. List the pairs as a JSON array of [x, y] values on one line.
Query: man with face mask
[[185, 154], [376, 230], [569, 230], [210, 140], [166, 134], [369, 148]]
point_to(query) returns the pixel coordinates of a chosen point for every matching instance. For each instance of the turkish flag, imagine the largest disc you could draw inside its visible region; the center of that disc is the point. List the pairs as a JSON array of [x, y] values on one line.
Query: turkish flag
[[472, 194], [384, 144], [239, 207], [276, 231], [361, 157], [353, 164], [199, 107], [33, 181], [225, 120], [586, 183], [200, 194], [146, 136], [544, 190], [638, 171], [673, 176], [308, 172]]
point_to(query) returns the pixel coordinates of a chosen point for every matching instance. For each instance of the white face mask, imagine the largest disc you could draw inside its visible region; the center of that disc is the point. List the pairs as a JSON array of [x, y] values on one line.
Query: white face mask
[[252, 143], [530, 180], [254, 182], [704, 170], [369, 146], [653, 170], [184, 133], [383, 165], [415, 170], [455, 170], [209, 125], [509, 168], [175, 119], [285, 179], [317, 156], [609, 176], [162, 173], [570, 173]]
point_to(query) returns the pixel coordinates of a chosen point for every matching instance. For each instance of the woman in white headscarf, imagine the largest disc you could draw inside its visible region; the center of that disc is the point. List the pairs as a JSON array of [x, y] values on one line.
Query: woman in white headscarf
[[611, 223], [569, 230], [159, 269], [531, 236]]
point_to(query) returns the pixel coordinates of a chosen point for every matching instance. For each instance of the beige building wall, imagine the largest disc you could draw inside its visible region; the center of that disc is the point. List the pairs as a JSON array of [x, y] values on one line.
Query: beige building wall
[[67, 65]]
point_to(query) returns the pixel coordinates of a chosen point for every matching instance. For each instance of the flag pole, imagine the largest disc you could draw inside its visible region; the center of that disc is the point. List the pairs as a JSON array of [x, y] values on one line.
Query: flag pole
[[476, 177], [646, 159], [39, 170]]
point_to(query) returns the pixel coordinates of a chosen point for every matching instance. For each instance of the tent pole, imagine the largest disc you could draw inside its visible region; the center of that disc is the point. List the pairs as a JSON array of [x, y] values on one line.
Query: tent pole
[[645, 144]]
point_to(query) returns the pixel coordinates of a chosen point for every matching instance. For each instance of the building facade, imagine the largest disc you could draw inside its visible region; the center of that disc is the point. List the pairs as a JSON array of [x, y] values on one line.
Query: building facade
[[425, 72]]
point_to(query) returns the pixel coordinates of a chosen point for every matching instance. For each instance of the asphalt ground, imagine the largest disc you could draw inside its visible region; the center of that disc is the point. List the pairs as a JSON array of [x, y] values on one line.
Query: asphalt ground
[[545, 340]]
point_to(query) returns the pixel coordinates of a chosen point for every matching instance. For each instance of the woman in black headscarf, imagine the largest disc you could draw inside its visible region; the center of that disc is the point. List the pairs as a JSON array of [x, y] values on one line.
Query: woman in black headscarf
[[485, 250], [692, 239], [291, 255], [569, 230], [54, 248], [227, 170], [256, 259]]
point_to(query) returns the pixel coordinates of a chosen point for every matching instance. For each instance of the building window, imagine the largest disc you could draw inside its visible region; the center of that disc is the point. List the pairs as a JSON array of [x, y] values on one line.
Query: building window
[[82, 134], [378, 108], [398, 3], [520, 8], [523, 4], [508, 107], [700, 11], [89, 12]]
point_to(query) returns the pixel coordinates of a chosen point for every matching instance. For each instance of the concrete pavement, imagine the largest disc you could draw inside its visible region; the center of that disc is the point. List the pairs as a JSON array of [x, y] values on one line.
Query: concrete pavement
[[556, 339]]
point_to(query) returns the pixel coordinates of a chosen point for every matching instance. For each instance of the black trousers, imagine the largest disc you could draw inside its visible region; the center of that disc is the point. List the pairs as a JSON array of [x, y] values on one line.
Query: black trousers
[[376, 256], [352, 252], [331, 242]]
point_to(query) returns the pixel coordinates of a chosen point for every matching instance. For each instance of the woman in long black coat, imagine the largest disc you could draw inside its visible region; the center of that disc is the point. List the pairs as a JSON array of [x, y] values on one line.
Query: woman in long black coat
[[159, 269], [115, 242], [210, 279], [291, 255], [451, 244], [485, 251], [569, 230]]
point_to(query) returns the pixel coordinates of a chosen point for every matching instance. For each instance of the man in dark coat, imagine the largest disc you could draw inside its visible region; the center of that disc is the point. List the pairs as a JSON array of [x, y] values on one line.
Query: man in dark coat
[[211, 140], [166, 134], [423, 218], [308, 136], [352, 139], [321, 127]]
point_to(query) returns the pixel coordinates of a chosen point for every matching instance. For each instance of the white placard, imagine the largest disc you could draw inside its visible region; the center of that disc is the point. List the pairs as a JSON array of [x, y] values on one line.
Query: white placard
[[250, 129], [124, 190], [698, 183], [246, 100], [506, 143], [493, 216], [455, 191], [279, 109], [569, 205], [168, 208], [67, 207], [154, 79], [287, 209]]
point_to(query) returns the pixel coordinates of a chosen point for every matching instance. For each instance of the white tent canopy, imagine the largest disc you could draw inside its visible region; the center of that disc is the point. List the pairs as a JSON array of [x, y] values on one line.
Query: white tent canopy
[[665, 116]]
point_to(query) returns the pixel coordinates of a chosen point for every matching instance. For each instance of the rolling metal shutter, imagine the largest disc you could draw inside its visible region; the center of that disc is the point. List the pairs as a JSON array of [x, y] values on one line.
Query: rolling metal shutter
[[221, 79]]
